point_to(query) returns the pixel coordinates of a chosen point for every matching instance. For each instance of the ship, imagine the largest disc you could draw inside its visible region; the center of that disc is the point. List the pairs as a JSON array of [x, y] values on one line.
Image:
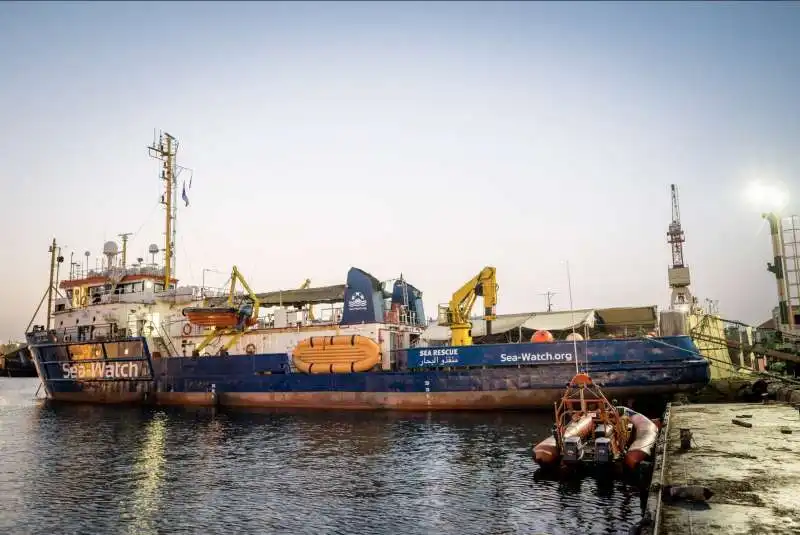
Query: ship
[[16, 361], [128, 333]]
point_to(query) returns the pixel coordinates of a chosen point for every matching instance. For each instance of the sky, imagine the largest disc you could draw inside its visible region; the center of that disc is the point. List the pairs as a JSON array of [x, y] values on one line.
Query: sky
[[428, 139]]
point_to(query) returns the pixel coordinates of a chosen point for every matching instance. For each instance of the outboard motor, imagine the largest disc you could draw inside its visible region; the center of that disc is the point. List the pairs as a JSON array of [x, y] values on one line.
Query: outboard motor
[[573, 450], [602, 450], [602, 443]]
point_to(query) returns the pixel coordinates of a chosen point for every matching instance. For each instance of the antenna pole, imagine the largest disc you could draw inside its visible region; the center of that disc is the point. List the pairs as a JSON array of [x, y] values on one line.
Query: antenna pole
[[124, 247], [572, 312], [53, 253], [549, 295]]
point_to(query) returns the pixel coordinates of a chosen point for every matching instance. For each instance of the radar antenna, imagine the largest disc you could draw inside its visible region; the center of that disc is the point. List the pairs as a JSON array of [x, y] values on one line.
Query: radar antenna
[[153, 250]]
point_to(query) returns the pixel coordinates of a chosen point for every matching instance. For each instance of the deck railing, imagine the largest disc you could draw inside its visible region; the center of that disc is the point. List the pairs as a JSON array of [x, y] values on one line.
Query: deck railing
[[98, 332]]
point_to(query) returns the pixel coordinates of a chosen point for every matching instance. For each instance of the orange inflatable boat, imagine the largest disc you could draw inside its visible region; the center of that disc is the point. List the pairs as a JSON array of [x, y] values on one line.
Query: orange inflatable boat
[[336, 354], [645, 433], [591, 431]]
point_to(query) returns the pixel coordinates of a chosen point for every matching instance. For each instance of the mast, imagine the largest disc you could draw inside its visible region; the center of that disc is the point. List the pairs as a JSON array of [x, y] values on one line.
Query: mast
[[124, 237], [166, 150], [53, 250]]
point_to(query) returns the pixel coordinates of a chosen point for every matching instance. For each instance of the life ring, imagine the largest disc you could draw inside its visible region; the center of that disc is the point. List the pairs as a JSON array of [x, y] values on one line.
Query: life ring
[[84, 300], [250, 349], [187, 329]]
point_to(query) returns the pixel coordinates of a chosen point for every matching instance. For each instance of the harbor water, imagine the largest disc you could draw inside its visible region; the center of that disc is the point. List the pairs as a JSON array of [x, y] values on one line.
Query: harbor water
[[94, 469]]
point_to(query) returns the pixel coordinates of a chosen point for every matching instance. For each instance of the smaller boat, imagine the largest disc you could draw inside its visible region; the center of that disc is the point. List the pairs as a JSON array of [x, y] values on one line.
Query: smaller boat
[[219, 317], [16, 361], [590, 431]]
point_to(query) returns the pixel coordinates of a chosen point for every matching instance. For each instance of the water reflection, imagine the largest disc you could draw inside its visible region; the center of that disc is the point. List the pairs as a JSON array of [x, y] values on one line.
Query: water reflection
[[147, 473], [92, 469]]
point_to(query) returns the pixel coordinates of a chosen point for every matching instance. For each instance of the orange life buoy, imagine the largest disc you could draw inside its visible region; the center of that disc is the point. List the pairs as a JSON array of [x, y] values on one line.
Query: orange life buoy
[[187, 329], [542, 336]]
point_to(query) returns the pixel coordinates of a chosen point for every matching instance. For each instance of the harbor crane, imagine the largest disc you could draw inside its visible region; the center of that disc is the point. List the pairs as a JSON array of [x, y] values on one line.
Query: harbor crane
[[456, 313], [678, 274]]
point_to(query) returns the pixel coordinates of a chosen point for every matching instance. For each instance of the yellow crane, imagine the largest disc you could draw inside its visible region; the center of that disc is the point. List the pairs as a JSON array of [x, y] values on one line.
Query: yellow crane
[[457, 312], [309, 307], [223, 321]]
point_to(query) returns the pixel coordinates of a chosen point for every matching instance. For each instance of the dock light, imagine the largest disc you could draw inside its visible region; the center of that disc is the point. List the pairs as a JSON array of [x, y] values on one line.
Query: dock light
[[768, 197], [772, 199]]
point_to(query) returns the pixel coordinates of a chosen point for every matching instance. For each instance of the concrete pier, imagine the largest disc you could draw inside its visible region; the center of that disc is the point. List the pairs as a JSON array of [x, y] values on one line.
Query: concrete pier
[[754, 472]]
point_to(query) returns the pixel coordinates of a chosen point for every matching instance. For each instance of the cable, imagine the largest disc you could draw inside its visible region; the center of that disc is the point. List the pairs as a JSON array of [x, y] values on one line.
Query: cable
[[145, 220], [732, 367]]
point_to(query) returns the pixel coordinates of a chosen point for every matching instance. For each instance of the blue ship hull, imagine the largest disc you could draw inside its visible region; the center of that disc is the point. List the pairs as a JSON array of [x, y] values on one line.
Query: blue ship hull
[[496, 376]]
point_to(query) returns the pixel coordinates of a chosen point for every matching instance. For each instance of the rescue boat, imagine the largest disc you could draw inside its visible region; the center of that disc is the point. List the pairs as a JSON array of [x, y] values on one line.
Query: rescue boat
[[219, 317], [589, 430]]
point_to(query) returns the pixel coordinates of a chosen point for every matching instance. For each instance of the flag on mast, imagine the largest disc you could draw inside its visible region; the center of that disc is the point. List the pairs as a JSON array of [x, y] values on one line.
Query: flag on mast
[[183, 195]]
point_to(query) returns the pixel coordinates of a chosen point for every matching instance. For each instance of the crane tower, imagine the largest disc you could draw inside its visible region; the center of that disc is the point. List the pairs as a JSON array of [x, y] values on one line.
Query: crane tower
[[679, 279]]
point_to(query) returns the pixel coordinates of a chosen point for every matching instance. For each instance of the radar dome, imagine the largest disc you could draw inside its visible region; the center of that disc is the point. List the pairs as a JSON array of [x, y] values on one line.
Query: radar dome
[[110, 248], [153, 249]]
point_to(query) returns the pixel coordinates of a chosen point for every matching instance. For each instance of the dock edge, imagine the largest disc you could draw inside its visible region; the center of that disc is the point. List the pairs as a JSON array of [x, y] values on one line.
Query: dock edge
[[651, 518]]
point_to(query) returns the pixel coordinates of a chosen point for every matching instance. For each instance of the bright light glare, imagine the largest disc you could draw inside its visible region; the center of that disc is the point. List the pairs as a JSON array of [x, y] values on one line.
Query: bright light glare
[[767, 196]]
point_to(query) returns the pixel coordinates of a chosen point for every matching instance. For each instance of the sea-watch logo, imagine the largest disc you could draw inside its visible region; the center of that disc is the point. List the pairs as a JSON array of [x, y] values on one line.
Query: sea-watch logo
[[357, 301]]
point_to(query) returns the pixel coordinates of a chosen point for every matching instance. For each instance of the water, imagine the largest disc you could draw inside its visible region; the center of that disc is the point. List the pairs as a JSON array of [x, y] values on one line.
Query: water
[[92, 469]]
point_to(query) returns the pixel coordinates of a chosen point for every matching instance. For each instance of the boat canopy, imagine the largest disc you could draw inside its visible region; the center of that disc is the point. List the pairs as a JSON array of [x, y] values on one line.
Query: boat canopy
[[615, 320], [530, 321], [295, 297]]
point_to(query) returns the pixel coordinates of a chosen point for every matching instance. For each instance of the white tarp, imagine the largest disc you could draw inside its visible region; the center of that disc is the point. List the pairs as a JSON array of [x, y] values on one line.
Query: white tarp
[[560, 321], [435, 333], [551, 321], [503, 323]]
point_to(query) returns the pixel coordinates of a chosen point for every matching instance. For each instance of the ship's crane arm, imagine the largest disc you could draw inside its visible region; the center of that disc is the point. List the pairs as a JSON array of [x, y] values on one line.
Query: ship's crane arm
[[309, 307], [456, 314], [248, 315], [237, 275]]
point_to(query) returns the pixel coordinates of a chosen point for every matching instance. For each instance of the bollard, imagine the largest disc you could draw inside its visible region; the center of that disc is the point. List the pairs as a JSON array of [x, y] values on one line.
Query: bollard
[[741, 423], [694, 493], [686, 439]]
